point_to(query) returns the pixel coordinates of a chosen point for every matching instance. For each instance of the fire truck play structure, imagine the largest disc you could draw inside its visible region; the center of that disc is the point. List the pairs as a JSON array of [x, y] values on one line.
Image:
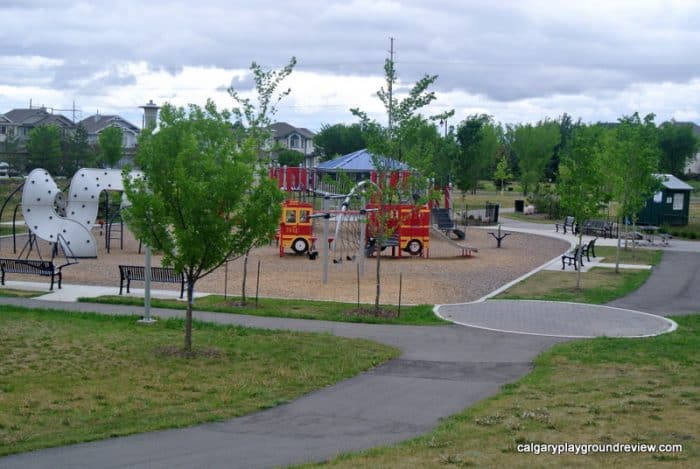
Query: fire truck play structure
[[409, 226], [296, 229]]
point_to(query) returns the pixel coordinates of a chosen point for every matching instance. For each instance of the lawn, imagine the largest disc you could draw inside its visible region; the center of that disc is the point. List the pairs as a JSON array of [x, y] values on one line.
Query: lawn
[[10, 292], [298, 309], [594, 391], [67, 378], [599, 285]]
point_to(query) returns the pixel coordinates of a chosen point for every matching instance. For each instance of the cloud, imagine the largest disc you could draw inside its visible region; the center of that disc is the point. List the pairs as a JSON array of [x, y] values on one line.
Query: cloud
[[506, 57]]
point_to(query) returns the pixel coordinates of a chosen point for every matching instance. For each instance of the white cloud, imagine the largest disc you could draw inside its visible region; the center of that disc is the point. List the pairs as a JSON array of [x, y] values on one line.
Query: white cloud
[[517, 60]]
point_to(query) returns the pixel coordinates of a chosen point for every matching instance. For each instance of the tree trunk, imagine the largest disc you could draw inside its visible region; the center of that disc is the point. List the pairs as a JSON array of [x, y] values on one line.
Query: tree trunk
[[188, 316], [379, 278], [245, 276], [617, 251], [580, 259]]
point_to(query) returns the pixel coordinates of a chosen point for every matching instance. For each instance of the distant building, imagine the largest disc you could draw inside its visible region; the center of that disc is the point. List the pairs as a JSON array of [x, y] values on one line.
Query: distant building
[[18, 123], [95, 124], [295, 138]]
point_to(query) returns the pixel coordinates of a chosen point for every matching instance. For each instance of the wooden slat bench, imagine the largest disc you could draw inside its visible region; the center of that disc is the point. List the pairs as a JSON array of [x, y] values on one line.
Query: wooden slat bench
[[158, 274], [32, 267]]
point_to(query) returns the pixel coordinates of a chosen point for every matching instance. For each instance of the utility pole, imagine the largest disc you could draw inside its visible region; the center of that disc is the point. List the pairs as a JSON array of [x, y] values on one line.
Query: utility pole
[[391, 82]]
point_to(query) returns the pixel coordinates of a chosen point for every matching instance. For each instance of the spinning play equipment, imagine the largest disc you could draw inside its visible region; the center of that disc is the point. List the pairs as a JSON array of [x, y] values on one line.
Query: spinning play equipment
[[68, 221]]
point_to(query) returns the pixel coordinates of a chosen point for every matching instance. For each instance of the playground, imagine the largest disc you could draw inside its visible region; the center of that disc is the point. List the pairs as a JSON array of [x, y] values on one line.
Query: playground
[[424, 281]]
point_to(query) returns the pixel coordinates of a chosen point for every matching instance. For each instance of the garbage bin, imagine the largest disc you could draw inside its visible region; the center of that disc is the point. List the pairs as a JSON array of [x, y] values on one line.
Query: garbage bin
[[519, 206]]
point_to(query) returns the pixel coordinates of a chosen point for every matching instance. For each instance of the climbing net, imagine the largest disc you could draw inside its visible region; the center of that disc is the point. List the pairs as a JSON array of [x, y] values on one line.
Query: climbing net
[[348, 235]]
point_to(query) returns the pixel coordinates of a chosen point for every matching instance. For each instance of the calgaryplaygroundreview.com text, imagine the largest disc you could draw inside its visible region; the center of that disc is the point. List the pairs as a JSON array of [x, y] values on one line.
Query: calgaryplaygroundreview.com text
[[592, 448]]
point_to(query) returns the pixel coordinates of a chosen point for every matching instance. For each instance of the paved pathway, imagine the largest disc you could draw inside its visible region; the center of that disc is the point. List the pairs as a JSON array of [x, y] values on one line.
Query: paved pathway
[[442, 370]]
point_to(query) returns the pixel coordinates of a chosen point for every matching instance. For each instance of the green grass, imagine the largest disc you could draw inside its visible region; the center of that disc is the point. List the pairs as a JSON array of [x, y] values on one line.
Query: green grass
[[299, 309], [598, 286], [629, 256], [535, 218], [67, 378], [10, 292], [590, 391]]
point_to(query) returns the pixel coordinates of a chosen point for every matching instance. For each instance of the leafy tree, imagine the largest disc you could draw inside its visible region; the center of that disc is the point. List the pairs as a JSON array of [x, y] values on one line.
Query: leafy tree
[[392, 142], [534, 145], [199, 202], [110, 145], [580, 174], [679, 144], [78, 153], [287, 157], [630, 159], [339, 139], [478, 139], [503, 174], [44, 147], [566, 131], [252, 127]]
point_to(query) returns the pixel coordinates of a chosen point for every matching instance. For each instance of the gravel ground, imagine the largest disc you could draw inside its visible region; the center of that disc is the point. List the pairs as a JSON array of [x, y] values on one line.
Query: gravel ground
[[444, 278]]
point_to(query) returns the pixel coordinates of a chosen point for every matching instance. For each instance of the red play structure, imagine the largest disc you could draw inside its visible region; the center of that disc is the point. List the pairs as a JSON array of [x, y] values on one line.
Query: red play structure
[[296, 230]]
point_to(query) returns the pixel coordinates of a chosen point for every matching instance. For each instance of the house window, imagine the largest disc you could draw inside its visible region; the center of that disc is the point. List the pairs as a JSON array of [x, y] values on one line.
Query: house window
[[2, 130], [294, 141], [678, 201]]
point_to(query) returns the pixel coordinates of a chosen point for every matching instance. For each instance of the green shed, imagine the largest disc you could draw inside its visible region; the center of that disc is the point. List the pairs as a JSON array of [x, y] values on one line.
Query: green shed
[[669, 206]]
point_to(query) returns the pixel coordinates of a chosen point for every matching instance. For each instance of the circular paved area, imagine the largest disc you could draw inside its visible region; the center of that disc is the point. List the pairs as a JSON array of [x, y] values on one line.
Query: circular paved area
[[556, 319]]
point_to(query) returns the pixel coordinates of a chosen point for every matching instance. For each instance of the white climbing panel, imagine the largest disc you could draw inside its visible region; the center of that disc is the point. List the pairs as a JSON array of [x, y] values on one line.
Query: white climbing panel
[[41, 196], [38, 208]]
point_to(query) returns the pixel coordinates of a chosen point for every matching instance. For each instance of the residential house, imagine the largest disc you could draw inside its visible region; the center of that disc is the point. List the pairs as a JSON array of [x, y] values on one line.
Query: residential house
[[18, 122], [295, 138], [93, 125]]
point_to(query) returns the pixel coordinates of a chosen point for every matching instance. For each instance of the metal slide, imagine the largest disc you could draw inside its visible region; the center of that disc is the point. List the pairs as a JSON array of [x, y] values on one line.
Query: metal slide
[[466, 250]]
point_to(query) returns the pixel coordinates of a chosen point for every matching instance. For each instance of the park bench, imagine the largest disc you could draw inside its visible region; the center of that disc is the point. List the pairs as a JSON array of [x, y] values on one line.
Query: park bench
[[568, 222], [588, 249], [598, 228], [158, 274], [30, 266], [573, 258]]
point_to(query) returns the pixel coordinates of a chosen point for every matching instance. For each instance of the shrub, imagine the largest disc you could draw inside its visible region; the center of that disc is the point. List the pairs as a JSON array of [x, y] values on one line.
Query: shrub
[[546, 200]]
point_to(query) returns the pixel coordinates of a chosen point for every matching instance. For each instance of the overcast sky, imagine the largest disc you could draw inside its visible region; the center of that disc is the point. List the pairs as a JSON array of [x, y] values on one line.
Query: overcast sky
[[518, 60]]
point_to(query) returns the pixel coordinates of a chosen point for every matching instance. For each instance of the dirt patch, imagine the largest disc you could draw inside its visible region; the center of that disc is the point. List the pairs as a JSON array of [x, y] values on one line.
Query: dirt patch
[[444, 277], [372, 313]]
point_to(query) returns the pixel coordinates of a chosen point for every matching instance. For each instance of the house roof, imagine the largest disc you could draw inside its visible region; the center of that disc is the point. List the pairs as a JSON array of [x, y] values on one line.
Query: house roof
[[282, 130], [358, 161], [37, 116], [669, 181], [29, 116], [96, 123]]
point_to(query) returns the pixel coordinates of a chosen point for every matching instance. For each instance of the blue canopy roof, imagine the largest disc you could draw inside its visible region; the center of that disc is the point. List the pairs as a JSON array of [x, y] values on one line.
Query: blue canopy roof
[[360, 161]]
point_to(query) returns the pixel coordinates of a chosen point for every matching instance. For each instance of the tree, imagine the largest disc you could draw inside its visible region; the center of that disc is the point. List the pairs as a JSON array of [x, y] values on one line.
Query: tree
[[287, 157], [110, 141], [78, 153], [392, 142], [199, 202], [478, 138], [631, 157], [44, 147], [502, 174], [339, 139], [534, 145], [580, 175], [252, 127], [678, 144]]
